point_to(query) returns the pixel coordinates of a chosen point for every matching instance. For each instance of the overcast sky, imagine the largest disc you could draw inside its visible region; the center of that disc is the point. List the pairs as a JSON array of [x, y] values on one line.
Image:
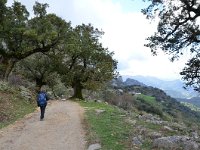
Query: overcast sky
[[125, 32]]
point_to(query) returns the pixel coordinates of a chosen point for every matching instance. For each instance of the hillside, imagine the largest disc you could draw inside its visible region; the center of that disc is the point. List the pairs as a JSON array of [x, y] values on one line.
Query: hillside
[[173, 88], [167, 104], [195, 101], [158, 121], [114, 128], [15, 102], [119, 119]]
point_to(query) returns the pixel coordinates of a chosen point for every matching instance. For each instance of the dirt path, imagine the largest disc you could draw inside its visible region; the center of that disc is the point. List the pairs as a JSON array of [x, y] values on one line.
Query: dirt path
[[61, 130]]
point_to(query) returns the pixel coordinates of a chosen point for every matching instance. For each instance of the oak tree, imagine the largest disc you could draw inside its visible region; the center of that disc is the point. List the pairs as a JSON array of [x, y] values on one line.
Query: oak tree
[[86, 63], [38, 68], [21, 36], [177, 32]]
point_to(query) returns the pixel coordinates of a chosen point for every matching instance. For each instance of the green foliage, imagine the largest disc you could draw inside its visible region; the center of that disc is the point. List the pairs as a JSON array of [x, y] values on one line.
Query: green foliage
[[149, 104], [190, 73], [46, 45], [40, 9], [5, 87], [37, 68], [124, 101], [177, 33], [21, 36], [13, 105], [148, 99], [157, 102], [191, 106], [85, 63], [109, 127]]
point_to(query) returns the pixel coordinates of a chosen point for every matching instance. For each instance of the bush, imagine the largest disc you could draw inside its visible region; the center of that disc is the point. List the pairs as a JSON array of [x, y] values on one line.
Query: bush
[[16, 80], [144, 105], [4, 86], [125, 101]]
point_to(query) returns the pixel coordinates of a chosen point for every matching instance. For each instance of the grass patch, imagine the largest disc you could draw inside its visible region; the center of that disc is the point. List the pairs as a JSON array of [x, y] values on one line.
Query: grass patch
[[148, 99], [149, 104], [13, 107], [150, 125], [109, 128], [147, 145]]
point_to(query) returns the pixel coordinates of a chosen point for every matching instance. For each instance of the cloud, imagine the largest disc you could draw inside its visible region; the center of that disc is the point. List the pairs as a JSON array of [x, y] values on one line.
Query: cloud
[[125, 34]]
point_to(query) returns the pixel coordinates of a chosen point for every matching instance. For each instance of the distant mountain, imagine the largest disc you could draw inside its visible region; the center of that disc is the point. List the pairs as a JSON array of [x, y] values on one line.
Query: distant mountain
[[165, 103], [119, 82], [172, 88], [195, 101], [133, 82]]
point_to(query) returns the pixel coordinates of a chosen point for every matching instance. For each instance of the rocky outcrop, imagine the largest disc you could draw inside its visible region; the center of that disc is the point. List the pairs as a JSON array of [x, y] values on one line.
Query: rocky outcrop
[[175, 142]]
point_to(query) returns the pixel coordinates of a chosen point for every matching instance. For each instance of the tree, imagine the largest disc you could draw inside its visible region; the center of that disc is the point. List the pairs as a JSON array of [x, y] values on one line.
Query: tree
[[191, 73], [21, 37], [177, 32], [86, 63], [38, 68]]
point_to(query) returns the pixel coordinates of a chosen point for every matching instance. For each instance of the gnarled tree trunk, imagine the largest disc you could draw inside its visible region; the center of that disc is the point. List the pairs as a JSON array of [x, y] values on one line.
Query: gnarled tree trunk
[[77, 89], [8, 66]]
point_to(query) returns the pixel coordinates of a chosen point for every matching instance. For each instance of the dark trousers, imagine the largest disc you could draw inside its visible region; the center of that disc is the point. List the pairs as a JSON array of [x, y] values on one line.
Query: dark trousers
[[42, 109]]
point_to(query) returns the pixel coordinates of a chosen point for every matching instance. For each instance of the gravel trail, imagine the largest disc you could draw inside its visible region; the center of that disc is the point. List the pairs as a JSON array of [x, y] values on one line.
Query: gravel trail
[[60, 130]]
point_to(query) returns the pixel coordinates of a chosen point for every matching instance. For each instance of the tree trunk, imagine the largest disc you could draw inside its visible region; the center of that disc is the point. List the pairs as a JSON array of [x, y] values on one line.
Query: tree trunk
[[9, 65], [77, 90], [39, 84]]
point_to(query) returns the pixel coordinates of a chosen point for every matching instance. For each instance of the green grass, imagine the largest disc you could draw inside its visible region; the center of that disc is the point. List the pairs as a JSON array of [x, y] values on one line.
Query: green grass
[[13, 107], [148, 99], [149, 104], [109, 128]]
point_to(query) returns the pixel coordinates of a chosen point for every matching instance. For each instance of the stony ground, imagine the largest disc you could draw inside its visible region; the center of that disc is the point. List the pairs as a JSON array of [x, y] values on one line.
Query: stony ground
[[60, 130]]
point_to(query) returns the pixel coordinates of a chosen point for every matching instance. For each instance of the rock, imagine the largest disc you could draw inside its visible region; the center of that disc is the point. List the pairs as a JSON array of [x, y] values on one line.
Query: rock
[[152, 119], [132, 122], [195, 135], [137, 140], [178, 126], [142, 130], [154, 135], [99, 111], [166, 128], [190, 145], [96, 146], [175, 142], [99, 101], [120, 91]]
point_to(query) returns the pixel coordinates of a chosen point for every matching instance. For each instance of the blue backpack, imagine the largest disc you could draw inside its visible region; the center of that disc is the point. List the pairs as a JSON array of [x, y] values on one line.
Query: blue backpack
[[42, 99]]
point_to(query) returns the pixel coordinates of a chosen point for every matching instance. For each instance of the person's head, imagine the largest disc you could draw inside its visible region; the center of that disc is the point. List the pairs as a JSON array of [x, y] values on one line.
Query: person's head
[[43, 89]]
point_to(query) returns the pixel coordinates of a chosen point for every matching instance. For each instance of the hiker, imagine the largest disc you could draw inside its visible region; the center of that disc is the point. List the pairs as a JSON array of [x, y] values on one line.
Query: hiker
[[42, 99]]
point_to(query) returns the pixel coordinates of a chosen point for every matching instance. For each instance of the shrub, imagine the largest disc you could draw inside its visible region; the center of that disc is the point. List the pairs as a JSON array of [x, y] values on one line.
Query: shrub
[[125, 101], [4, 86], [148, 106], [14, 80]]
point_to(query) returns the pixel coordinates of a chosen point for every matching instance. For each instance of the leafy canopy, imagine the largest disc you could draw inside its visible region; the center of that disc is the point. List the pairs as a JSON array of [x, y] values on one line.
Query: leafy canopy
[[177, 32], [85, 63], [21, 36]]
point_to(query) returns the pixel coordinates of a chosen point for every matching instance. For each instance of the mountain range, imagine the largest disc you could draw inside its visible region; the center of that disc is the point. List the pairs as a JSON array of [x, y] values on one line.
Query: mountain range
[[173, 88]]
